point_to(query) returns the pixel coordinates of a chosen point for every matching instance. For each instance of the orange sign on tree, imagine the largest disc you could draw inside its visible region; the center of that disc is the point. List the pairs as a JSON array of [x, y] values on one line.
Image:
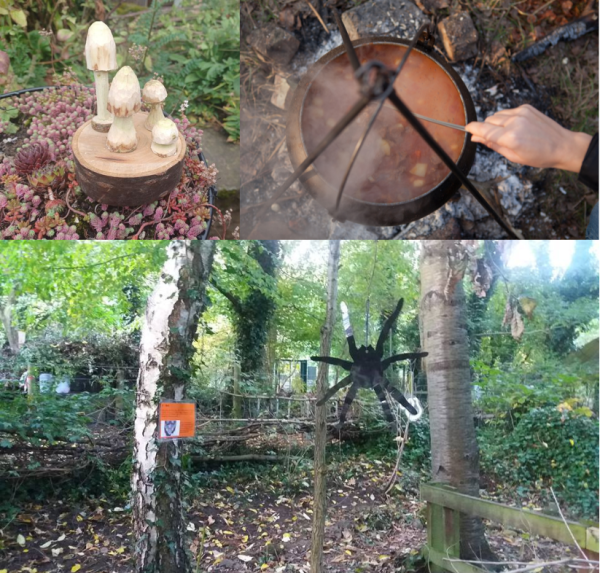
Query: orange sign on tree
[[176, 420]]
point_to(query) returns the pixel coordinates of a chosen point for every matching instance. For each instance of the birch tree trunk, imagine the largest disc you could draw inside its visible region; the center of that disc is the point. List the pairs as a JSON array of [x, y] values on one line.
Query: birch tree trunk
[[6, 316], [320, 466], [172, 315], [454, 449]]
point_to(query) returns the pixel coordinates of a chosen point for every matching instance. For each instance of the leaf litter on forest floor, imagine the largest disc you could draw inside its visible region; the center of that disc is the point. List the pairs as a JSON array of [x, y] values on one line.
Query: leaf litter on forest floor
[[263, 525]]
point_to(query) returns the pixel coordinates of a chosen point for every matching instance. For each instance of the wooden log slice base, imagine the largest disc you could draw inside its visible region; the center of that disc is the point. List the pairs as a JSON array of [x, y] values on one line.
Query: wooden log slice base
[[125, 179]]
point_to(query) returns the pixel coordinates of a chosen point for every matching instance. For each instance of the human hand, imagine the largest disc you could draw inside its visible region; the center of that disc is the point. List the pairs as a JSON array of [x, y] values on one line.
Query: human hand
[[525, 135]]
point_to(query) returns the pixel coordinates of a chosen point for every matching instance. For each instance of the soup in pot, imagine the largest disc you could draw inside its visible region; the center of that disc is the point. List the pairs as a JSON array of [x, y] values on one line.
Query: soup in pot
[[395, 164]]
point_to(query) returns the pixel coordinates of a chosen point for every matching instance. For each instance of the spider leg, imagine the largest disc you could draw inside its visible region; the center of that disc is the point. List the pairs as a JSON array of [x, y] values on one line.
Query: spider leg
[[347, 401], [384, 404], [348, 331], [343, 383], [345, 364], [352, 347], [387, 327], [399, 397], [397, 357]]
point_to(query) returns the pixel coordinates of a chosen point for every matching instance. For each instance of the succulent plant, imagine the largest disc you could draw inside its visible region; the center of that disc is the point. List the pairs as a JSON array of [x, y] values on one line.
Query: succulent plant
[[41, 199], [53, 176], [32, 157]]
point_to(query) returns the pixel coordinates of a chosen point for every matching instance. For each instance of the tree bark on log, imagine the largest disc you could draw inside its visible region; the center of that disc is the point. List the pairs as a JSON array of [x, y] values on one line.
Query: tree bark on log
[[320, 465], [454, 449], [172, 314]]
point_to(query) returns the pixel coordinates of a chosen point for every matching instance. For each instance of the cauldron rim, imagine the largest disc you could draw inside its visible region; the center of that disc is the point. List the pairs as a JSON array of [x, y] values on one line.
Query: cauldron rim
[[433, 199]]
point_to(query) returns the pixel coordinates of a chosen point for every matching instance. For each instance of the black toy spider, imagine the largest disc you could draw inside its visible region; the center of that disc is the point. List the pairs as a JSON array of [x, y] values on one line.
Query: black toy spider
[[367, 368]]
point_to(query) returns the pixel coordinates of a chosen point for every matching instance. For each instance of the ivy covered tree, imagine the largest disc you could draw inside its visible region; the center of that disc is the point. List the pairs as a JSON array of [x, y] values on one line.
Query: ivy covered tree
[[247, 278]]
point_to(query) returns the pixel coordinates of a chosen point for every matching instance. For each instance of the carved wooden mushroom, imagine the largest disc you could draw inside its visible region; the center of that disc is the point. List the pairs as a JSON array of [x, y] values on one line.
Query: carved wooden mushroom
[[101, 57], [124, 99], [154, 94], [164, 138]]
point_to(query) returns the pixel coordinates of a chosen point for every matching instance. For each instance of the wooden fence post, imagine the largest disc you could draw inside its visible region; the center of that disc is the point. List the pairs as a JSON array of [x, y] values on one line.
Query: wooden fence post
[[443, 532], [237, 400]]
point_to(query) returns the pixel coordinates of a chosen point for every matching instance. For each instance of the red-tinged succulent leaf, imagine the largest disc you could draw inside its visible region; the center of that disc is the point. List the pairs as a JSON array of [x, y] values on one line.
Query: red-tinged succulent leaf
[[32, 157], [58, 205]]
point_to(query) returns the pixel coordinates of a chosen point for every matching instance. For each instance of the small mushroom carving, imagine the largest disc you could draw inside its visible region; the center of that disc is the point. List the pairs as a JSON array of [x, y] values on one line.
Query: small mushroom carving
[[164, 138], [101, 57], [154, 94], [124, 99]]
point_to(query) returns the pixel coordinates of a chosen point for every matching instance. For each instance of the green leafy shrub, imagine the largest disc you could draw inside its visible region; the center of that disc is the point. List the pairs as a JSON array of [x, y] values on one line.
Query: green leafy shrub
[[511, 392], [548, 448], [26, 51], [49, 417], [197, 60]]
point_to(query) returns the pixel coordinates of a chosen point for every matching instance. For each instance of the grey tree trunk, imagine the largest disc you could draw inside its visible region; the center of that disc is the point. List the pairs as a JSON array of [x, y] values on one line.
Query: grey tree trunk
[[454, 450], [172, 315], [6, 316], [320, 464]]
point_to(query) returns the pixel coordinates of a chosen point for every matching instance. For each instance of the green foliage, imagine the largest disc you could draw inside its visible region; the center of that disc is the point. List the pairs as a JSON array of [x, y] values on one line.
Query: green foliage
[[417, 450], [47, 417], [548, 448], [77, 286], [194, 49], [512, 391], [245, 275], [8, 113], [26, 51], [51, 417]]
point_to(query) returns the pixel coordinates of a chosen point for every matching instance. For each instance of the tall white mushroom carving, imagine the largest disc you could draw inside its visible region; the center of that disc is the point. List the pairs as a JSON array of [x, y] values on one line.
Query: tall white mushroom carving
[[101, 58], [124, 99]]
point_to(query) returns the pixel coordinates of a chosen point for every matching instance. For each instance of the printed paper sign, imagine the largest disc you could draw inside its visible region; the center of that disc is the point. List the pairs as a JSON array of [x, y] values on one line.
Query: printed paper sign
[[176, 420]]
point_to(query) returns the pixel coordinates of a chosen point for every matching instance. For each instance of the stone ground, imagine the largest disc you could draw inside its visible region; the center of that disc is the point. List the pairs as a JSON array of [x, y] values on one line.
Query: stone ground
[[226, 156]]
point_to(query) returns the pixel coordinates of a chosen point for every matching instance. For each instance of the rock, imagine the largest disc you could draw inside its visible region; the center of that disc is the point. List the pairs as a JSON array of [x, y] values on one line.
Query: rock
[[351, 231], [451, 230], [376, 17], [459, 36], [431, 6], [280, 92], [225, 155], [274, 44]]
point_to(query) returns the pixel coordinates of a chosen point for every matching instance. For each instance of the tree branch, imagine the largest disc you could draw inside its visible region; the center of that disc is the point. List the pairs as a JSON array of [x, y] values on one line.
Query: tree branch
[[234, 300]]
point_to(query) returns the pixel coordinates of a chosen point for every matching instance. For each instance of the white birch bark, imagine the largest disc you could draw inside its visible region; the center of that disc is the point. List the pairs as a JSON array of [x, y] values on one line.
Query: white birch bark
[[172, 316], [6, 316]]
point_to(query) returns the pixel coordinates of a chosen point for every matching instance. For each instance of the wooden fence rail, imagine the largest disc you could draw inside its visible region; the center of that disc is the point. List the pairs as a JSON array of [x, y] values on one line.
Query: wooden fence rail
[[445, 504]]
